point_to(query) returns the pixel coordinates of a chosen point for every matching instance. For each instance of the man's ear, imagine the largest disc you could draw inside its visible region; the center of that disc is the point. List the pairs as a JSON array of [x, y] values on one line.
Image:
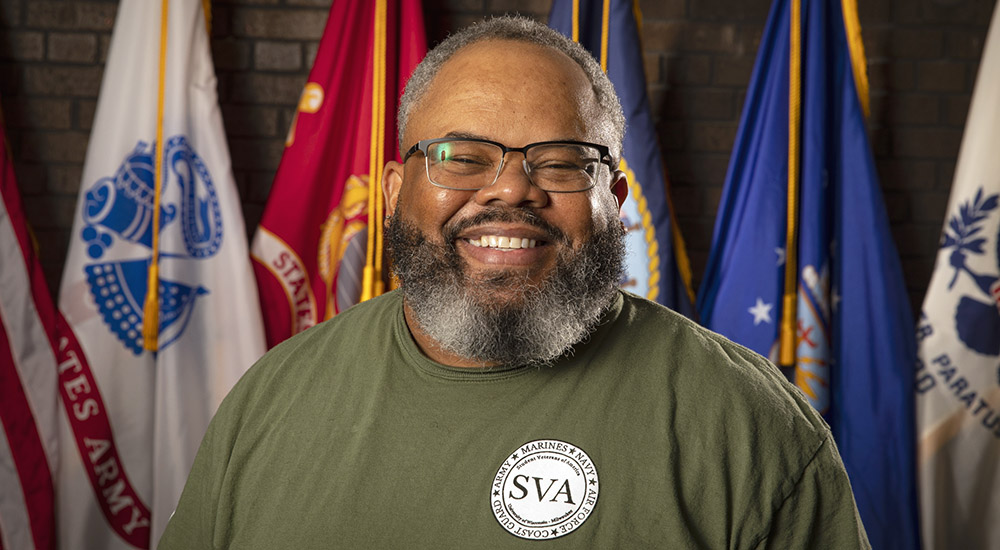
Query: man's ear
[[392, 181], [619, 187]]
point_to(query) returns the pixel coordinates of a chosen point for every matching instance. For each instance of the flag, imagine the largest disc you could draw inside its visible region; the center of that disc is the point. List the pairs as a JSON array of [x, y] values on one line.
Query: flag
[[320, 221], [29, 405], [958, 367], [822, 295], [656, 264], [135, 417]]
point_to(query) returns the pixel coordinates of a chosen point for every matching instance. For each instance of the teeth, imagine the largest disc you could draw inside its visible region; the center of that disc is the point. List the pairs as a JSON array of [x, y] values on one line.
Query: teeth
[[503, 243]]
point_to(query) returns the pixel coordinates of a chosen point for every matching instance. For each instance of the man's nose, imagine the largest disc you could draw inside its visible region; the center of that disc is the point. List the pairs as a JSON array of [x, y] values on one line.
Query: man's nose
[[513, 186]]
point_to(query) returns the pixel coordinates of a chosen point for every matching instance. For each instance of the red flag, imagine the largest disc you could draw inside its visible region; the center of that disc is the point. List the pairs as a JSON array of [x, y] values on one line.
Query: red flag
[[28, 387], [312, 242]]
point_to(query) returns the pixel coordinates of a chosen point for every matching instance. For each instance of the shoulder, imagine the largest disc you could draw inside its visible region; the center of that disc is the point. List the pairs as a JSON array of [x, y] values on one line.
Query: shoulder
[[717, 384], [317, 353]]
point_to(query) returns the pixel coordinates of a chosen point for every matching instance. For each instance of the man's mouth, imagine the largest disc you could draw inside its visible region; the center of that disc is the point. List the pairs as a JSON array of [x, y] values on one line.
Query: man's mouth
[[503, 243]]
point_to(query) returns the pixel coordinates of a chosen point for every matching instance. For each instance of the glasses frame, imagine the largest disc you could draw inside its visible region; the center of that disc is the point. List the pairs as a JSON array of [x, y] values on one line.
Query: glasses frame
[[424, 144]]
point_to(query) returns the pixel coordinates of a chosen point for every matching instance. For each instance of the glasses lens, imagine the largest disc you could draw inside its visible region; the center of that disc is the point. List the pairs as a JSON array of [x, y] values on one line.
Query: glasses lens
[[463, 164], [564, 166]]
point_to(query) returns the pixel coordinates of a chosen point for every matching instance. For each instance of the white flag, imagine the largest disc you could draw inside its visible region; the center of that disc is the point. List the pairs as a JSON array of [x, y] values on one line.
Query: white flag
[[135, 417], [958, 376]]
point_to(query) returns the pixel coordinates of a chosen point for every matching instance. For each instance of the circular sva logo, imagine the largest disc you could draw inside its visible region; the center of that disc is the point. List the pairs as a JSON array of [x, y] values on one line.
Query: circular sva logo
[[544, 490]]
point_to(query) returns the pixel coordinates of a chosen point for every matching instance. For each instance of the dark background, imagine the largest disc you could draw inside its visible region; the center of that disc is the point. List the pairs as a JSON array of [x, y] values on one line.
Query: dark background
[[922, 61]]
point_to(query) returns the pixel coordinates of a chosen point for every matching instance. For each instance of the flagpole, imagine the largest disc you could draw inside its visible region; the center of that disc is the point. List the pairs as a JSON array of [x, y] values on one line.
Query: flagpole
[[789, 303]]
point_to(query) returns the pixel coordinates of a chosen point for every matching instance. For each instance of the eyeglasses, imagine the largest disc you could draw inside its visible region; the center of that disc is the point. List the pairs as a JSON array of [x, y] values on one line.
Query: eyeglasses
[[471, 164]]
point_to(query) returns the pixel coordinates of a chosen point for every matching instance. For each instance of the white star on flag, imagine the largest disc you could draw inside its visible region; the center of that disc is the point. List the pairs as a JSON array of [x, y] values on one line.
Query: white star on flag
[[761, 312], [781, 255]]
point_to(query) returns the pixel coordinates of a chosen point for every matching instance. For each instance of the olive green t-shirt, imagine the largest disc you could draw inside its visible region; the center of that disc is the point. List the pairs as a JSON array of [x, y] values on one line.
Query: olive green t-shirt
[[654, 433]]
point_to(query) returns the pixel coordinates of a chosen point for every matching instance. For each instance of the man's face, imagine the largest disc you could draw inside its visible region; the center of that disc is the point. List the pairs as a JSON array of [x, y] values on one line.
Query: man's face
[[516, 94]]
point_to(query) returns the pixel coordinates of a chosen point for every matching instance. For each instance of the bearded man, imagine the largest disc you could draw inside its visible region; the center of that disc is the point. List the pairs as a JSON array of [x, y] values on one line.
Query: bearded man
[[509, 394]]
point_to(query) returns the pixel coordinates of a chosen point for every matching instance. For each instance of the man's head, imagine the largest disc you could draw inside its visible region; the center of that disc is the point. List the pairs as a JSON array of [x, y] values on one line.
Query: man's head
[[494, 269]]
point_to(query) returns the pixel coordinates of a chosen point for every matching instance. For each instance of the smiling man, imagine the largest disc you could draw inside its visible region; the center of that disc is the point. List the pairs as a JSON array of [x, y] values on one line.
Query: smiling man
[[509, 394]]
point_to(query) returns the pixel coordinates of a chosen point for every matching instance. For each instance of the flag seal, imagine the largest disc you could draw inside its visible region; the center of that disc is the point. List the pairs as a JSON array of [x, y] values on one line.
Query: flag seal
[[120, 207]]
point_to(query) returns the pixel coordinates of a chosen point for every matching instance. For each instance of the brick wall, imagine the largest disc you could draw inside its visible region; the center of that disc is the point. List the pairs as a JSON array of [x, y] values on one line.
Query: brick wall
[[923, 56]]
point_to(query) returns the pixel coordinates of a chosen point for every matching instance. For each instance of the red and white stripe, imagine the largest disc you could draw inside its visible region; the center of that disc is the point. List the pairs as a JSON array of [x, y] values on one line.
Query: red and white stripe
[[28, 381]]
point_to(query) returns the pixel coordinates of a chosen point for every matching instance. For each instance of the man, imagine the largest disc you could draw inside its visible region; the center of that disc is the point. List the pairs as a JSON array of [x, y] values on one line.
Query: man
[[510, 395]]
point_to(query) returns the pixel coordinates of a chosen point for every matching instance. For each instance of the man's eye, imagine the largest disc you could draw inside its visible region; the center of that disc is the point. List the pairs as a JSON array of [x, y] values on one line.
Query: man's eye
[[467, 160]]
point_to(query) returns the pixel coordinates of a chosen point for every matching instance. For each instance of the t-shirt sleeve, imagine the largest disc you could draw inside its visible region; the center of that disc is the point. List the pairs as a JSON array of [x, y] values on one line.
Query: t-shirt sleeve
[[819, 512]]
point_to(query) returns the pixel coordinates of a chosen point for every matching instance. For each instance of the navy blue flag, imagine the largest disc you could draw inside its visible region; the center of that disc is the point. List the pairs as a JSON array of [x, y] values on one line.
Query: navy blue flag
[[657, 265], [851, 347]]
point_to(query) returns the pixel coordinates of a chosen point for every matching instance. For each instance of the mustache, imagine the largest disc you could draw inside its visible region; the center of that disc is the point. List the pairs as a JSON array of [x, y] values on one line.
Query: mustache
[[505, 215]]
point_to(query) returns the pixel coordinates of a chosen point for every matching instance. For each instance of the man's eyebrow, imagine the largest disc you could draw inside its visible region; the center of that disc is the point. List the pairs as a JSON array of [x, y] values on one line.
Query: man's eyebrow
[[464, 135]]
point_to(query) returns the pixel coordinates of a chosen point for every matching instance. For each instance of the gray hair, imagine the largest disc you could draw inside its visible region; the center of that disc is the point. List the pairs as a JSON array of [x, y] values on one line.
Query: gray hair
[[519, 29]]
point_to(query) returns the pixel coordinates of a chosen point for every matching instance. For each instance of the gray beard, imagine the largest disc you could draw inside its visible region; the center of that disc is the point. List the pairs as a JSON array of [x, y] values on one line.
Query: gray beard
[[504, 319]]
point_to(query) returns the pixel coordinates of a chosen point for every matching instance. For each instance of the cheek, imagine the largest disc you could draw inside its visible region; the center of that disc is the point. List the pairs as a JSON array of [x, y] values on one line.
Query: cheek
[[429, 207]]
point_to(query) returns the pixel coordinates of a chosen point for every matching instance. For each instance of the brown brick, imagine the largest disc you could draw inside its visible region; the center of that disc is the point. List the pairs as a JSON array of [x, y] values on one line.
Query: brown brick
[[897, 207], [945, 173], [22, 46], [916, 43], [316, 3], [697, 168], [964, 44], [931, 143], [64, 179], [918, 12], [727, 10], [942, 76], [874, 12], [31, 177], [312, 47], [103, 46], [651, 67], [259, 186], [536, 8], [50, 211], [245, 121], [267, 89], [10, 13], [661, 36], [45, 114], [256, 154], [293, 25], [703, 37], [700, 103], [85, 109], [672, 134], [63, 146], [229, 54], [956, 109], [10, 79], [48, 80], [277, 56], [929, 207], [910, 175], [72, 47], [914, 239], [904, 108], [732, 70], [877, 42], [712, 136], [93, 16], [688, 69], [897, 75]]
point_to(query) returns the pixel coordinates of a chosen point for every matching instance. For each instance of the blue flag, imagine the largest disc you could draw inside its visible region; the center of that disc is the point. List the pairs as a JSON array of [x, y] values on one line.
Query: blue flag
[[852, 348], [657, 265]]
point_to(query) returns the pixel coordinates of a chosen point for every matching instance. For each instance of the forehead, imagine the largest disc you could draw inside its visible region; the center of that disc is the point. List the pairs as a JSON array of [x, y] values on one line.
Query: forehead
[[509, 91]]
